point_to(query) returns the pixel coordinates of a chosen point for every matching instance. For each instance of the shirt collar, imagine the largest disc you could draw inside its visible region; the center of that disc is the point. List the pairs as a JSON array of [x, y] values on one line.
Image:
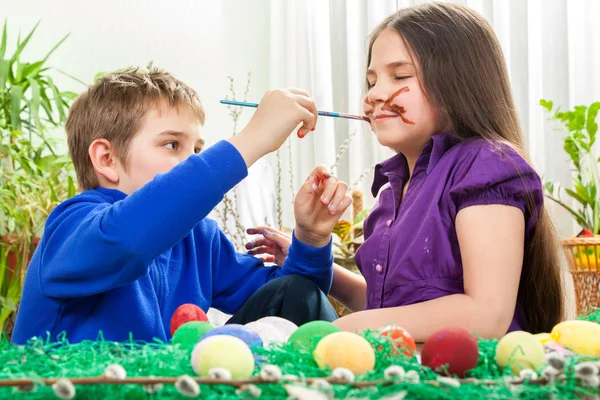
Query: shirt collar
[[397, 165]]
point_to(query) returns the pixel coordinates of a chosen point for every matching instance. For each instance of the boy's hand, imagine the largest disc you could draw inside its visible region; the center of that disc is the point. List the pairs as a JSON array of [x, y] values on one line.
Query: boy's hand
[[319, 204], [278, 114], [272, 247]]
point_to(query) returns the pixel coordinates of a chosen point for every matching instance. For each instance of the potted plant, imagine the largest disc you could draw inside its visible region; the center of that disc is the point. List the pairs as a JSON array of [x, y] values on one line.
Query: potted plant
[[582, 251], [34, 176]]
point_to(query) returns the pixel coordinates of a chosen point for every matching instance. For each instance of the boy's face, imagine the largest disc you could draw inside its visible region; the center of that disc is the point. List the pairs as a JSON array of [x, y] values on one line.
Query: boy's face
[[167, 137]]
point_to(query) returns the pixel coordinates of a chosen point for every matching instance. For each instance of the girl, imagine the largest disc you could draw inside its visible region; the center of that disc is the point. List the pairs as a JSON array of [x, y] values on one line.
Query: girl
[[459, 235]]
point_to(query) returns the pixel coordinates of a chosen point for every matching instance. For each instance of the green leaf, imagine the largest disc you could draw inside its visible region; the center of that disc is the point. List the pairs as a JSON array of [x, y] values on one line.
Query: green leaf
[[4, 68], [35, 102], [21, 45], [57, 100], [547, 104], [3, 40], [361, 215], [31, 69], [71, 187], [53, 195], [582, 191], [591, 126], [56, 46], [16, 96], [100, 75], [11, 225], [549, 186], [577, 196], [579, 218], [3, 263], [69, 95]]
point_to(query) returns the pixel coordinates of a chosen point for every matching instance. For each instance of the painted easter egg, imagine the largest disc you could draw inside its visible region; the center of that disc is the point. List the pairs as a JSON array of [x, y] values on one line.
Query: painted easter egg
[[281, 324], [520, 350], [188, 334], [345, 350], [307, 336], [591, 255], [223, 351], [581, 337], [248, 336], [450, 351], [267, 332], [403, 341], [186, 313], [583, 258]]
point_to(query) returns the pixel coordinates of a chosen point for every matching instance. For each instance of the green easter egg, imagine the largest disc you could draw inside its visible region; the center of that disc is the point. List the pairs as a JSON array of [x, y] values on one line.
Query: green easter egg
[[188, 334], [307, 336]]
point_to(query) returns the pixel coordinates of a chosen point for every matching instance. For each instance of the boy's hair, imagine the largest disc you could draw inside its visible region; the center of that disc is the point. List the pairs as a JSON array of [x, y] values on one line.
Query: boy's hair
[[464, 75], [114, 107]]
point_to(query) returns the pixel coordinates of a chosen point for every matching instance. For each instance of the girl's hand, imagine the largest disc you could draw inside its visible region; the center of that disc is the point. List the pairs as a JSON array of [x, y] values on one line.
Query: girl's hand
[[319, 204], [271, 247]]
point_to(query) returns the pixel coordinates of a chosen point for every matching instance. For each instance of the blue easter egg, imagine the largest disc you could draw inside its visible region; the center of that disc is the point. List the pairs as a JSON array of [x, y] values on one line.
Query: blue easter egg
[[248, 336]]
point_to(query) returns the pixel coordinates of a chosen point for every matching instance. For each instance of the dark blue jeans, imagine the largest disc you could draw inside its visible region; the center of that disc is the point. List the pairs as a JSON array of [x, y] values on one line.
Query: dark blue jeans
[[293, 297]]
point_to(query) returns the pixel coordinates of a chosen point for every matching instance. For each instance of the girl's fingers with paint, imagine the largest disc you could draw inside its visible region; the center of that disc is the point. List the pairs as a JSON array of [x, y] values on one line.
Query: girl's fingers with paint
[[320, 202], [333, 194]]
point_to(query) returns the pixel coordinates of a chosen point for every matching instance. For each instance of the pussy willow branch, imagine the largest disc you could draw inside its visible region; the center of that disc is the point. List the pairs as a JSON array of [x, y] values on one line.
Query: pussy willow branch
[[25, 382]]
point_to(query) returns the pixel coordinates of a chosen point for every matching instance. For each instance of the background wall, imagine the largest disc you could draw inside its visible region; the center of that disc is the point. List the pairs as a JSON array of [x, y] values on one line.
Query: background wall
[[552, 50], [201, 42]]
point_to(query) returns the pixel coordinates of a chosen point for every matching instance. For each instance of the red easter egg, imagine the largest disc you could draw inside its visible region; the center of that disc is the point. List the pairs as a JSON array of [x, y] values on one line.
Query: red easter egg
[[453, 348], [186, 313], [403, 341]]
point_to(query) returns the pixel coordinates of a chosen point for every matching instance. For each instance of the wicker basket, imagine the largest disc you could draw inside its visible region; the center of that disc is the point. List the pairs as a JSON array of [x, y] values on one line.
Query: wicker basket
[[583, 256]]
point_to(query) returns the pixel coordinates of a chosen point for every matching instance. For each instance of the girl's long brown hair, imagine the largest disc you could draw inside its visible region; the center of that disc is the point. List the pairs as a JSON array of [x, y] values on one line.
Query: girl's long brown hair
[[463, 73]]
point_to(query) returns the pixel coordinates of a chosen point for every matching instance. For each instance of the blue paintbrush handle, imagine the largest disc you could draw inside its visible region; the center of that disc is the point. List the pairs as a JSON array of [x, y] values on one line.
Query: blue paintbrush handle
[[323, 113]]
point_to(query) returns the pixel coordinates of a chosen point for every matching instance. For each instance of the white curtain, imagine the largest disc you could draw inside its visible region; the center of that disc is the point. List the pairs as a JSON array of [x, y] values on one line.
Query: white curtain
[[552, 49]]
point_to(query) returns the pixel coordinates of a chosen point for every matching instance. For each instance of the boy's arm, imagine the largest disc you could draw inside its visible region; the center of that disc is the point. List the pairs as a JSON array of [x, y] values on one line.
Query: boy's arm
[[98, 245], [237, 276], [93, 246]]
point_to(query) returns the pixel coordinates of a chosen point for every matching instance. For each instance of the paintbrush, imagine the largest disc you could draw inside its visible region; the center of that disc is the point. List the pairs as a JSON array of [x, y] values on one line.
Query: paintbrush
[[323, 113]]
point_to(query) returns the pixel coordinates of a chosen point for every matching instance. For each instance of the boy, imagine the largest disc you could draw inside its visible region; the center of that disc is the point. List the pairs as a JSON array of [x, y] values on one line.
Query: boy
[[121, 256]]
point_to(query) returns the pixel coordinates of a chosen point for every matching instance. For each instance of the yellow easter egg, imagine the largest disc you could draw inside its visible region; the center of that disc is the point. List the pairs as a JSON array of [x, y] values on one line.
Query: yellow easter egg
[[520, 350], [543, 337], [577, 260], [347, 350], [591, 255], [581, 337], [583, 258], [223, 351]]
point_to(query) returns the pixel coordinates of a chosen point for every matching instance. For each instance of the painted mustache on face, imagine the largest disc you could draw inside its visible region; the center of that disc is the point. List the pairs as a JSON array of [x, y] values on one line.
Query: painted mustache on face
[[396, 109]]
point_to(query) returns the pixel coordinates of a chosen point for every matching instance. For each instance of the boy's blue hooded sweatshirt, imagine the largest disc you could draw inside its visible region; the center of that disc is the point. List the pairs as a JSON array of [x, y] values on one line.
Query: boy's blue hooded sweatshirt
[[122, 264]]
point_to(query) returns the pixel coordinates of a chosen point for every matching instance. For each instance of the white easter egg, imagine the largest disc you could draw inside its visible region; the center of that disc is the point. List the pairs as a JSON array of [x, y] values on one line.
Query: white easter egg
[[283, 325], [267, 332]]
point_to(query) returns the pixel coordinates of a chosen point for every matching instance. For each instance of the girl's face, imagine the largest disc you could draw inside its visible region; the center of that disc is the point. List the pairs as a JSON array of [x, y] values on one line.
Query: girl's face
[[400, 114]]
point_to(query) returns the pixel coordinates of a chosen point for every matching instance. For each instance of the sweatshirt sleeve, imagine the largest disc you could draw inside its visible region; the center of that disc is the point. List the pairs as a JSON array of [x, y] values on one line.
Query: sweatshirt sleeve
[[91, 245], [237, 276]]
